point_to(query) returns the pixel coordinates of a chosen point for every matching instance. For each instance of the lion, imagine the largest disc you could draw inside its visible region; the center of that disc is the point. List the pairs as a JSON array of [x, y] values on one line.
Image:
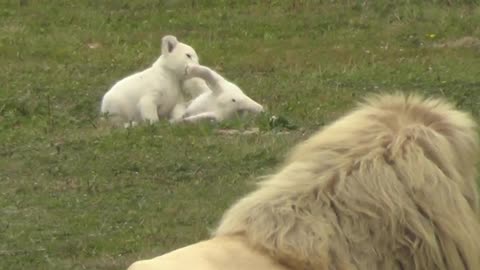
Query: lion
[[390, 185]]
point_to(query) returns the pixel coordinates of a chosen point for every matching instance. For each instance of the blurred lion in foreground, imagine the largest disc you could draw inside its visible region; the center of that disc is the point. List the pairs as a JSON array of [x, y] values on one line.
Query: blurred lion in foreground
[[389, 186]]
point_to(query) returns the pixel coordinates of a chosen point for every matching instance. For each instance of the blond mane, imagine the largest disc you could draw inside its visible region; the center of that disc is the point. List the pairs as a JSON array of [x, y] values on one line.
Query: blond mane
[[391, 185]]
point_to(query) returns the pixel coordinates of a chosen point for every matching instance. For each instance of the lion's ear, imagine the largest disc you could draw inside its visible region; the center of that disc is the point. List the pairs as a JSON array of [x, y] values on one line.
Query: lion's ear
[[169, 43]]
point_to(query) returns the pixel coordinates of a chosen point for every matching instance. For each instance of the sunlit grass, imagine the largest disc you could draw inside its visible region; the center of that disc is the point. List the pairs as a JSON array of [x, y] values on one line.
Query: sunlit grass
[[78, 195]]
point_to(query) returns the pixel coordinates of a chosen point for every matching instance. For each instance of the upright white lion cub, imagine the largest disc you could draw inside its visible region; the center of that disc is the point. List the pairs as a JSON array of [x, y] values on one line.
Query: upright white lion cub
[[154, 92], [221, 101]]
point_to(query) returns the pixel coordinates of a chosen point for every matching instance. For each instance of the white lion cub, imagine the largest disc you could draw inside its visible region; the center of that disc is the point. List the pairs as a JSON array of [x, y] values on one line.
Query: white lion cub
[[154, 92], [221, 101]]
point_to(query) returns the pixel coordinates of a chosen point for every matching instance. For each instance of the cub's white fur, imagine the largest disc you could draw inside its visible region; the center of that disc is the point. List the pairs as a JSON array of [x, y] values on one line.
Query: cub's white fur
[[154, 92], [218, 98], [194, 87]]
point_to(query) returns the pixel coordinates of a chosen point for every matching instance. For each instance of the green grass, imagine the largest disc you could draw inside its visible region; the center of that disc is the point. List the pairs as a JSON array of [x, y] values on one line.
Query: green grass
[[77, 195]]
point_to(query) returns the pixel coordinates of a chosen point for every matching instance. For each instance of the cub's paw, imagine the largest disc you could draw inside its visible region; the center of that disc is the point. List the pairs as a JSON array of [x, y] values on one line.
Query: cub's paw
[[188, 70], [191, 70], [175, 120]]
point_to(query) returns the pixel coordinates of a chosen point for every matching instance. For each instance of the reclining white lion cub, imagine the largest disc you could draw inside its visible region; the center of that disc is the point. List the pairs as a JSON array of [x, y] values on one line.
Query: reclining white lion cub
[[218, 99], [153, 92]]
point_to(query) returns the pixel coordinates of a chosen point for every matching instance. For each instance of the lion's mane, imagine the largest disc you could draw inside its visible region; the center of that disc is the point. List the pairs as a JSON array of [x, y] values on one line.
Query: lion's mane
[[390, 185]]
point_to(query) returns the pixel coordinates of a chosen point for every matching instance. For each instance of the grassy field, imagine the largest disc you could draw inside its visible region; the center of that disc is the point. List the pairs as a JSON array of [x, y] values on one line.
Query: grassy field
[[77, 195]]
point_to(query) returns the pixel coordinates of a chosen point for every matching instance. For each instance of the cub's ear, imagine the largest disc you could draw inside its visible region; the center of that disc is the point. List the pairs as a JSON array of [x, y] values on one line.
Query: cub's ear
[[169, 43]]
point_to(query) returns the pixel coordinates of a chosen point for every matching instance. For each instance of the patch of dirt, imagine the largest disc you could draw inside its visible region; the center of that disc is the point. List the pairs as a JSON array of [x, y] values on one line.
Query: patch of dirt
[[464, 42], [94, 45], [249, 131]]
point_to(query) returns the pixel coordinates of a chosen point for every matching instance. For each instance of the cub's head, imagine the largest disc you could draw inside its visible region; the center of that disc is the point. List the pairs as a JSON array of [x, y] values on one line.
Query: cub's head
[[177, 55], [231, 99]]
